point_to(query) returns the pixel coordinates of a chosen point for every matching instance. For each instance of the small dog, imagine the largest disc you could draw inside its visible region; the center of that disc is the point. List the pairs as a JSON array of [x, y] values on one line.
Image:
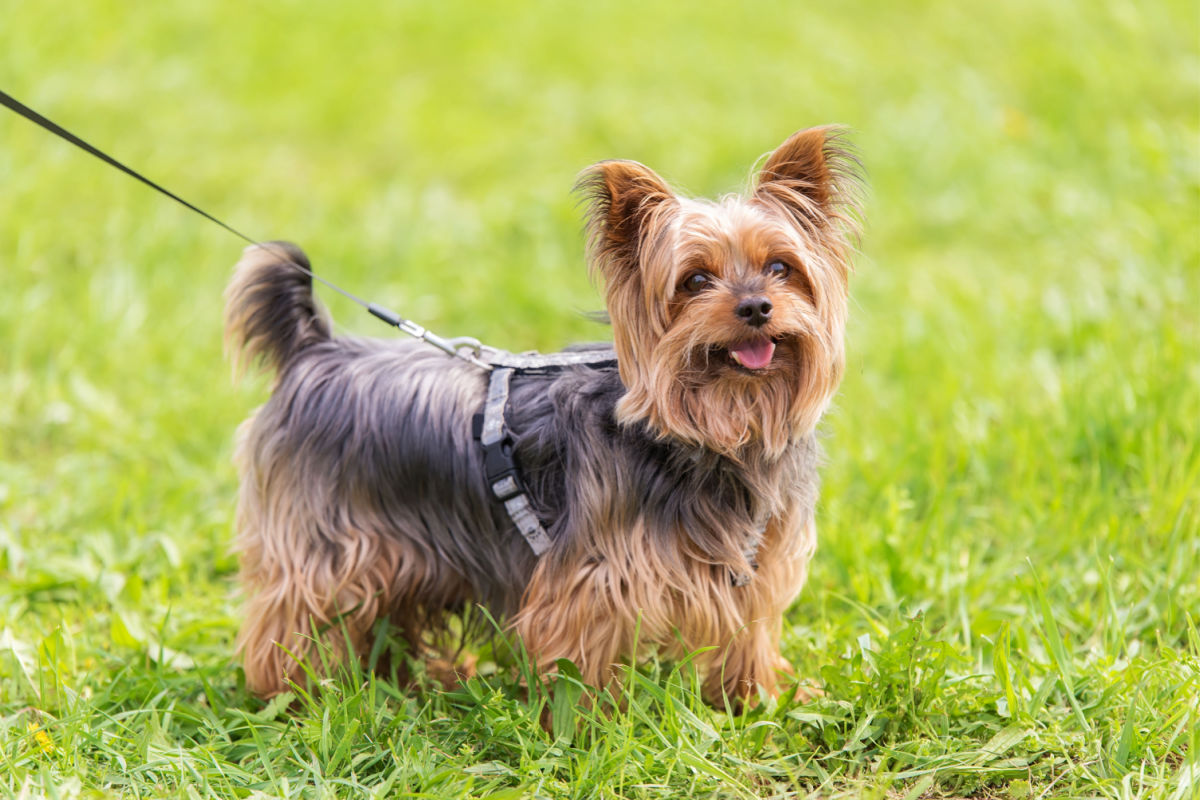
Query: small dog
[[674, 486]]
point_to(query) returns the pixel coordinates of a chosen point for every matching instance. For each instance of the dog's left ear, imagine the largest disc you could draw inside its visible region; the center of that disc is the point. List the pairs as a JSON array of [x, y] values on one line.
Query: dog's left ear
[[812, 173]]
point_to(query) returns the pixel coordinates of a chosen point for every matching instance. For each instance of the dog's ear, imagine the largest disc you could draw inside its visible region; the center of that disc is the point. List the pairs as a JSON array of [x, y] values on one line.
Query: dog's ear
[[811, 174], [625, 203]]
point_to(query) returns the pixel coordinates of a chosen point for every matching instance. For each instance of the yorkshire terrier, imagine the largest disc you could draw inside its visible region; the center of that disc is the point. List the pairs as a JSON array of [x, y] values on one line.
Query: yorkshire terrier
[[670, 490]]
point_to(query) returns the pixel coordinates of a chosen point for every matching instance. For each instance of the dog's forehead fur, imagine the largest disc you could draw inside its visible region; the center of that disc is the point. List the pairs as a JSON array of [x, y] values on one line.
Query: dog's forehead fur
[[731, 238]]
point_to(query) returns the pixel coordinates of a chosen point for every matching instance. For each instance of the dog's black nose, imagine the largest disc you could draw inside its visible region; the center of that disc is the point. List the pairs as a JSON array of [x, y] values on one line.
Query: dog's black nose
[[754, 310]]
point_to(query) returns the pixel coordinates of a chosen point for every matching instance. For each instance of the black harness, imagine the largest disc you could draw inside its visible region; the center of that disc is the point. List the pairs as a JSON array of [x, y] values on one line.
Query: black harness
[[492, 431]]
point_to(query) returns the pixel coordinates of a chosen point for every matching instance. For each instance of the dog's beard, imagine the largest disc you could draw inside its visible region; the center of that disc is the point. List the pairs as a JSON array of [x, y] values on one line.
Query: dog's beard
[[698, 393]]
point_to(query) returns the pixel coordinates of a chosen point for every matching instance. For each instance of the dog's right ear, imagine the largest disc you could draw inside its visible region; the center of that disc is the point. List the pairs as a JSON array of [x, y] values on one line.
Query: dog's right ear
[[625, 202]]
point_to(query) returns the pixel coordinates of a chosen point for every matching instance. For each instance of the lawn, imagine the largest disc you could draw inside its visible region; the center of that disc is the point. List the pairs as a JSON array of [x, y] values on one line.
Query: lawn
[[1006, 598]]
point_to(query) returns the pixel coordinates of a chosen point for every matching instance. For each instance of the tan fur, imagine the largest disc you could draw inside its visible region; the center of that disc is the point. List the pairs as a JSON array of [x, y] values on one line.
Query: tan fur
[[629, 587]]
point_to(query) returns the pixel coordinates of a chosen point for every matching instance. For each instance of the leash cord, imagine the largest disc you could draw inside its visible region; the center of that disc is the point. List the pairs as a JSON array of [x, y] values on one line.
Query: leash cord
[[465, 348]]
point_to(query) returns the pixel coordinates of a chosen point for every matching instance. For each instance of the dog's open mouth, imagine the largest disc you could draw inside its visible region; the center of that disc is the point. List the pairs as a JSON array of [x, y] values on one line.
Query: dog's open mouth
[[752, 355]]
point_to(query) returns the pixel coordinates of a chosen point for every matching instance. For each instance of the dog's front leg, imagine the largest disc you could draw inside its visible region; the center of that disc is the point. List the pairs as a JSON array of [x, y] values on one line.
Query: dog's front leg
[[576, 612], [751, 659]]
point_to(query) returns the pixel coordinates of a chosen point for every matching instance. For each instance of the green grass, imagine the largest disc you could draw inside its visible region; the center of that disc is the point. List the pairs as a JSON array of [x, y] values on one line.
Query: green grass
[[1006, 599]]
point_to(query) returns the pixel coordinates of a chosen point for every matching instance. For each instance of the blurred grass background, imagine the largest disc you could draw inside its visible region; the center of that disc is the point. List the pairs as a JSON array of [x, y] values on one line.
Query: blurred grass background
[[1022, 398]]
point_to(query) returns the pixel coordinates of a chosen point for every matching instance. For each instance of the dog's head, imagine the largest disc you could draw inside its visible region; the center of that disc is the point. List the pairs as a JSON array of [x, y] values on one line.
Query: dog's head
[[728, 316]]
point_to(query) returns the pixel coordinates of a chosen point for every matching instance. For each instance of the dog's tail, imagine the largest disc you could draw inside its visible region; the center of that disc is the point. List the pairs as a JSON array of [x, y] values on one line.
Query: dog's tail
[[270, 311]]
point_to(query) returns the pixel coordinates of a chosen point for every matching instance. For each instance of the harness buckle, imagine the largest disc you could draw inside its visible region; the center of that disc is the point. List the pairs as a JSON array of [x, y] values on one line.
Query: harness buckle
[[499, 466]]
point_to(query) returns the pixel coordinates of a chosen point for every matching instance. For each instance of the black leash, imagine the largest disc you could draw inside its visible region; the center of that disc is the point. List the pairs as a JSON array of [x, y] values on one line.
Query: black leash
[[464, 347]]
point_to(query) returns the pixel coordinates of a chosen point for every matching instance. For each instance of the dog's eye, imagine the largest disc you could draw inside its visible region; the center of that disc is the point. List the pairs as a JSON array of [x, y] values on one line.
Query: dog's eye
[[777, 269], [696, 282]]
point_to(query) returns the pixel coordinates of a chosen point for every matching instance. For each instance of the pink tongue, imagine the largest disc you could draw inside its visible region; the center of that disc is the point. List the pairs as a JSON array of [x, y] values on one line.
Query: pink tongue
[[754, 355]]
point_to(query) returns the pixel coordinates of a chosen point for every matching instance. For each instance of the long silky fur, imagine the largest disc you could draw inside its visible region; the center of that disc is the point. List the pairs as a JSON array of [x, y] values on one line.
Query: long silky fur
[[363, 494]]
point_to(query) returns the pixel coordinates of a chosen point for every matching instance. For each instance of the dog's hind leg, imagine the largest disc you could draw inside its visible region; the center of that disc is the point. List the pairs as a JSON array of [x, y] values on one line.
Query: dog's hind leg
[[311, 605], [316, 579]]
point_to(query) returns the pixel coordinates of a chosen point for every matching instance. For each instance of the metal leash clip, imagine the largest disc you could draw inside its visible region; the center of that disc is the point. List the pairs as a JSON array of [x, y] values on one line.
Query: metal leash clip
[[467, 348]]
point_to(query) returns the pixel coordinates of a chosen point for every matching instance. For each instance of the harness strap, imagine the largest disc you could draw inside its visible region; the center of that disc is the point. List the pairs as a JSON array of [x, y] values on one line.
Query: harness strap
[[491, 429], [503, 475], [542, 363]]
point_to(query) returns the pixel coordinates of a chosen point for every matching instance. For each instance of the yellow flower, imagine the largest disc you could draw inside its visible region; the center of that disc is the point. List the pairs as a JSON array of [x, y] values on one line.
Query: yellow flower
[[43, 739]]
